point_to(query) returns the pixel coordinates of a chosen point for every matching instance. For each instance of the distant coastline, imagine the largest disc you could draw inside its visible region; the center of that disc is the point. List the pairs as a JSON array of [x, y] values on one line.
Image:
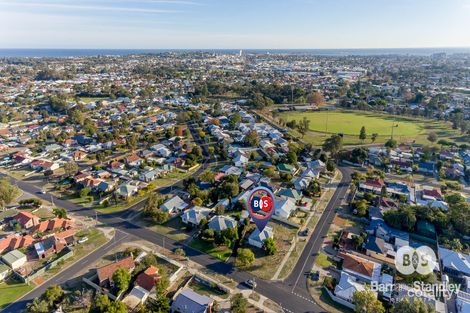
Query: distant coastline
[[319, 52]]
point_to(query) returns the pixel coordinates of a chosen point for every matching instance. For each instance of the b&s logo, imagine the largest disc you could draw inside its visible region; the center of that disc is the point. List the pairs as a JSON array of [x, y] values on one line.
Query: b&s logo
[[421, 260]]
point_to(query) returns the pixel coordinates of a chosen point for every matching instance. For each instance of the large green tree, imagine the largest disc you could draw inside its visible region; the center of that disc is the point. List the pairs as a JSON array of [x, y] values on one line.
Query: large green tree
[[366, 302]]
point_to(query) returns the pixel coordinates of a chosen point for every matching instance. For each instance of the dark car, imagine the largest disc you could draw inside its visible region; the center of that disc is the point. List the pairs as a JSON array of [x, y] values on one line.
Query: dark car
[[250, 283]]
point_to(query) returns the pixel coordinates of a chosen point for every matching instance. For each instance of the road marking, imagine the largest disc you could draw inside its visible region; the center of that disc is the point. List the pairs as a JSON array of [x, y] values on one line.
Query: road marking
[[316, 239]]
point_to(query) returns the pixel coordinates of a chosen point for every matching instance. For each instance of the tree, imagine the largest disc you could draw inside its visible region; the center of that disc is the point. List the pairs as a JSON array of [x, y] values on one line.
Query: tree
[[361, 207], [330, 166], [366, 302], [102, 304], [59, 212], [391, 143], [432, 137], [292, 157], [252, 139], [333, 144], [238, 303], [207, 176], [413, 305], [314, 188], [270, 246], [162, 284], [363, 134], [84, 192], [403, 218], [245, 257], [315, 98], [121, 279], [70, 168], [374, 136], [8, 192], [53, 294]]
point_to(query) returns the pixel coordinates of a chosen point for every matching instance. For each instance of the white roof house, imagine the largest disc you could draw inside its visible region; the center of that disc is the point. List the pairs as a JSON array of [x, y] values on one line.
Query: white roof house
[[195, 215], [174, 204], [240, 160], [222, 222], [284, 208], [257, 238], [347, 286]]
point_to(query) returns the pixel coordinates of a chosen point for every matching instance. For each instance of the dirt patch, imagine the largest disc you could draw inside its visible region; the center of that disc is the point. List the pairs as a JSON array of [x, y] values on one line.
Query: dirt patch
[[339, 221]]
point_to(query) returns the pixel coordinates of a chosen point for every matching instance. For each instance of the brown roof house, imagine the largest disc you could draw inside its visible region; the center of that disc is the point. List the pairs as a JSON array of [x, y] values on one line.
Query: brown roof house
[[25, 219], [105, 273], [360, 268]]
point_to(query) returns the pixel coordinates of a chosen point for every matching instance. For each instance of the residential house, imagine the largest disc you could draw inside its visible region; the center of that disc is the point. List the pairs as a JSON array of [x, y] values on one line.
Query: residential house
[[288, 193], [174, 205], [240, 161], [105, 273], [454, 263], [188, 301], [148, 278], [361, 268], [301, 183], [427, 168], [149, 175], [347, 286], [53, 224], [49, 246], [221, 222], [134, 160], [126, 190], [374, 186], [79, 155], [25, 219], [257, 238], [194, 215], [13, 242], [284, 208]]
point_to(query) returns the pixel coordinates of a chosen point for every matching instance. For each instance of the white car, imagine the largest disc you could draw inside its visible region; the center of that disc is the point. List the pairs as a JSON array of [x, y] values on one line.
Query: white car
[[84, 239]]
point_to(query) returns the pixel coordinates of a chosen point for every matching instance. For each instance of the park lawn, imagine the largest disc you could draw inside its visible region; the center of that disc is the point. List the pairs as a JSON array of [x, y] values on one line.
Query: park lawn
[[349, 124], [220, 252], [11, 291]]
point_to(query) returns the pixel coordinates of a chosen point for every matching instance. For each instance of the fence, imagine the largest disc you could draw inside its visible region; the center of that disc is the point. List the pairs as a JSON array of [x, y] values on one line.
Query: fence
[[339, 300], [47, 267]]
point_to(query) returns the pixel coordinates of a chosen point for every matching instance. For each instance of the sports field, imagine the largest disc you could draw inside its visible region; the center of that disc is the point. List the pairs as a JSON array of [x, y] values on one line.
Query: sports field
[[349, 123]]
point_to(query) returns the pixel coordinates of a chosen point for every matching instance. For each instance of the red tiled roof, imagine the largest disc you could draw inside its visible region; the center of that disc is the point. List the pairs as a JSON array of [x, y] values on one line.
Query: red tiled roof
[[357, 264], [53, 224], [432, 193], [148, 278], [106, 272], [13, 242], [24, 217]]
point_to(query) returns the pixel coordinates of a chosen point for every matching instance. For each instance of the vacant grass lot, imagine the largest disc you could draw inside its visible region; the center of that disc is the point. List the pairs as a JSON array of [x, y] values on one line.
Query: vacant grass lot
[[349, 123], [221, 252]]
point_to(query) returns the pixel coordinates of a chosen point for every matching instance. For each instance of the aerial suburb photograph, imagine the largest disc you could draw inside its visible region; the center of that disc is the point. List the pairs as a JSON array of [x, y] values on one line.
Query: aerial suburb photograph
[[246, 156]]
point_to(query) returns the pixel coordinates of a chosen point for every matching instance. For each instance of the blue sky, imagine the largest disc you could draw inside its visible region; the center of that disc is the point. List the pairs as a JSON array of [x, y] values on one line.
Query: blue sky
[[275, 24]]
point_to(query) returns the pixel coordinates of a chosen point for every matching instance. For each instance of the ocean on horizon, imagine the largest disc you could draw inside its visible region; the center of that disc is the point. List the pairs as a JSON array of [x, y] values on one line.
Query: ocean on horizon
[[60, 53]]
